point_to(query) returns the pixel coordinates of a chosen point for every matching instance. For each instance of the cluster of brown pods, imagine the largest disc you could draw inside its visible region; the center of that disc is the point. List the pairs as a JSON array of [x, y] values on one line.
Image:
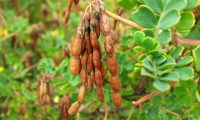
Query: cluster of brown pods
[[86, 54], [43, 90], [69, 6]]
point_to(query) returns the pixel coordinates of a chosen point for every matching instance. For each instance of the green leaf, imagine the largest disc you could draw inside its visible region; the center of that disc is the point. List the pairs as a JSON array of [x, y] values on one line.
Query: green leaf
[[165, 71], [177, 52], [147, 63], [191, 4], [164, 37], [127, 4], [174, 4], [162, 86], [144, 72], [145, 17], [137, 49], [196, 55], [185, 73], [184, 61], [172, 76], [148, 43], [169, 19], [170, 62], [187, 21], [161, 59], [139, 37], [156, 5]]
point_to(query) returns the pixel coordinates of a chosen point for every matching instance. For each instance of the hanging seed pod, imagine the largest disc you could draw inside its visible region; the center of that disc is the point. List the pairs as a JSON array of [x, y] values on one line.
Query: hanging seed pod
[[81, 93], [103, 71], [70, 3], [109, 45], [90, 84], [84, 58], [112, 65], [100, 93], [96, 59], [93, 37], [76, 2], [67, 13], [75, 65], [76, 46], [64, 107], [98, 78], [115, 83], [90, 66], [116, 98], [74, 108], [87, 42], [105, 24], [83, 76]]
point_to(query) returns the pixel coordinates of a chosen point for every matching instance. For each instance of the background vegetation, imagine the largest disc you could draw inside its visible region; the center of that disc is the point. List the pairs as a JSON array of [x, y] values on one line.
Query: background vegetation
[[33, 38]]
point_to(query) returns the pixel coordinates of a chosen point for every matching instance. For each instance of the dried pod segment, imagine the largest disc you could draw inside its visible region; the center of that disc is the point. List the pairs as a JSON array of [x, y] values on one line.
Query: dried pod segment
[[96, 59], [76, 46], [75, 65], [93, 35], [116, 98], [112, 65], [64, 107], [100, 93], [90, 65], [43, 90], [84, 58], [115, 83], [74, 108], [98, 78], [108, 44], [83, 76], [76, 2], [67, 13], [81, 93], [90, 82], [105, 24]]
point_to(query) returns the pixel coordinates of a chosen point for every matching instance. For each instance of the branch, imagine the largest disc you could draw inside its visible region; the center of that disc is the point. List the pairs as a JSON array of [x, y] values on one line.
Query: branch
[[182, 41], [121, 19]]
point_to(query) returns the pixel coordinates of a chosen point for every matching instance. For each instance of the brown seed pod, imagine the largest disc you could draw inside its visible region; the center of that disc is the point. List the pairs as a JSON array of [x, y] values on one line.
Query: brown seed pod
[[116, 98], [83, 76], [81, 93], [64, 107], [76, 2], [100, 93], [74, 108], [70, 3], [90, 66], [115, 83], [109, 45], [103, 71], [75, 65], [84, 58], [76, 46], [87, 42], [93, 39], [90, 84], [105, 24], [98, 78], [112, 65], [96, 59]]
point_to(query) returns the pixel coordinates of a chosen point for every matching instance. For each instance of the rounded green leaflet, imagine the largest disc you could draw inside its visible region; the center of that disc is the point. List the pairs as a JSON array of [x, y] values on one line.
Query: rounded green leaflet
[[187, 21], [169, 19], [149, 43], [191, 4], [174, 4], [164, 37], [162, 86], [156, 5], [145, 17], [185, 73]]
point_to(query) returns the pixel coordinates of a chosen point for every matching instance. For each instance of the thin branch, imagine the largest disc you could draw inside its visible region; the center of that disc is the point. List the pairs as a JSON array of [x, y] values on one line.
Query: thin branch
[[146, 98], [171, 112], [182, 41], [130, 113], [121, 19]]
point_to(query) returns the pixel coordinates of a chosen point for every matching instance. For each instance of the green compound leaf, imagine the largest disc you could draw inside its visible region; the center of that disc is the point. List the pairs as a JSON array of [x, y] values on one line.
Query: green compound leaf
[[196, 54], [164, 37], [191, 4], [145, 17], [174, 4], [169, 19], [156, 5], [139, 37], [185, 73], [187, 21], [177, 52], [172, 76], [162, 86], [184, 61]]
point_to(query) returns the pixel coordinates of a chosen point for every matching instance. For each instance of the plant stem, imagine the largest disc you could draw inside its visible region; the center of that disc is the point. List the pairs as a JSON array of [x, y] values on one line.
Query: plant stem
[[182, 41], [121, 19]]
